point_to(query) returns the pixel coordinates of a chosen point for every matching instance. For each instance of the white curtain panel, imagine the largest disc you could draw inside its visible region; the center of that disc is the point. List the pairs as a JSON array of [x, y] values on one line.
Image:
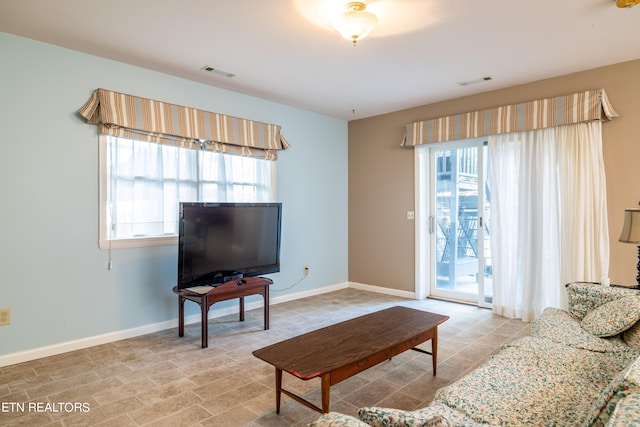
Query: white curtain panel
[[147, 181], [584, 221], [548, 222]]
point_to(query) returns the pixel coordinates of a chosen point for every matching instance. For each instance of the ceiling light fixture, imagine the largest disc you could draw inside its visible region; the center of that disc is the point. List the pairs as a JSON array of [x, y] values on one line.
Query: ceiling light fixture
[[355, 23], [627, 3]]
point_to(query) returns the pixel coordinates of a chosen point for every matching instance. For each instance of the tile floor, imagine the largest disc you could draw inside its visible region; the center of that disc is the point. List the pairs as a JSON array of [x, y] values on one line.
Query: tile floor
[[161, 379]]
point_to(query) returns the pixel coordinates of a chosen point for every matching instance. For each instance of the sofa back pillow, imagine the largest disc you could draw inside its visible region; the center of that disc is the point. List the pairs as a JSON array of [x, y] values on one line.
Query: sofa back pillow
[[584, 297], [613, 317], [559, 326], [632, 336]]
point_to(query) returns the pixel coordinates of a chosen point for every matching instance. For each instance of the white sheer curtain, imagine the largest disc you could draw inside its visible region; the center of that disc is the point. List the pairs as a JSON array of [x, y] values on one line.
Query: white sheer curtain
[[548, 216], [146, 181]]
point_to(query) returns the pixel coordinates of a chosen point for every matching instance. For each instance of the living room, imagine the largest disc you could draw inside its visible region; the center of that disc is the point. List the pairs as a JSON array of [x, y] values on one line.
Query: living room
[[345, 186]]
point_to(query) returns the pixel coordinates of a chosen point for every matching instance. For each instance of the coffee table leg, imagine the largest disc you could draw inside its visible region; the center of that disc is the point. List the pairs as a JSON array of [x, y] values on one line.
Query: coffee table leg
[[326, 387], [434, 350], [278, 389]]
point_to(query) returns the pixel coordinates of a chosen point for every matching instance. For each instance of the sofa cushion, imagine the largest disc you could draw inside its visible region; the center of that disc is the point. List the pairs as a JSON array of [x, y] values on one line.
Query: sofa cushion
[[613, 317], [534, 381], [387, 417], [632, 336]]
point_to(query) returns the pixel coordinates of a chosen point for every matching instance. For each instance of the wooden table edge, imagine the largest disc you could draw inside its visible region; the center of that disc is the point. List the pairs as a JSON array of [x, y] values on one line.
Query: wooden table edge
[[334, 376]]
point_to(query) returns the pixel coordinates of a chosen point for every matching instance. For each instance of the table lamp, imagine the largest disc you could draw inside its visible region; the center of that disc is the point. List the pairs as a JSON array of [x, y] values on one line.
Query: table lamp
[[631, 234]]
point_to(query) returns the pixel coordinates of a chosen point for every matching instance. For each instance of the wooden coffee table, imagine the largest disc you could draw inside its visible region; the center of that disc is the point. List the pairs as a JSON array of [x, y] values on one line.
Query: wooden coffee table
[[340, 351]]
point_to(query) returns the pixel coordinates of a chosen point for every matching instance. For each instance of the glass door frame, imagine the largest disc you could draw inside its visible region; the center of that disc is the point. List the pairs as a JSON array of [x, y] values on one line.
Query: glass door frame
[[425, 205]]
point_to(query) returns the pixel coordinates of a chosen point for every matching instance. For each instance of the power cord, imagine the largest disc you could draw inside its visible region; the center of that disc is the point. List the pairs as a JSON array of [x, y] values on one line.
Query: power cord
[[292, 286]]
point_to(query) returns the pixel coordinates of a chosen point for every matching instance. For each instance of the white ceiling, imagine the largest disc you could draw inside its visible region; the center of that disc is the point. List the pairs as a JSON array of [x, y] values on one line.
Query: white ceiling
[[417, 55]]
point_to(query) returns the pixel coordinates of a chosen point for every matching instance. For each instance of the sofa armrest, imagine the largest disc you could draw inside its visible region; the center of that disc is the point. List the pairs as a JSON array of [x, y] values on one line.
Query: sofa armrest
[[586, 296], [336, 419], [626, 383], [627, 411]]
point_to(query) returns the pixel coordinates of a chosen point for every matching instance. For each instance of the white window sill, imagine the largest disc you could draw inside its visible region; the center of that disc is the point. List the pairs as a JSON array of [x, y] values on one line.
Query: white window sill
[[138, 243]]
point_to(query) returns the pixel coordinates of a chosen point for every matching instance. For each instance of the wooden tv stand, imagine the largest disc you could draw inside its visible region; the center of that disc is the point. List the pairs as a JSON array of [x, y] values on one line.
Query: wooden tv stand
[[237, 288]]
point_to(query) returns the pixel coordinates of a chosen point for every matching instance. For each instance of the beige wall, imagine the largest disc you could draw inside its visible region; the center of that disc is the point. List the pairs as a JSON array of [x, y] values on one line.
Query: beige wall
[[381, 174]]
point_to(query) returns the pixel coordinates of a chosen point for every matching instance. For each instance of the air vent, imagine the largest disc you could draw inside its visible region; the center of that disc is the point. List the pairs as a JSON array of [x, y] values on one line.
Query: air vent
[[472, 82], [211, 69]]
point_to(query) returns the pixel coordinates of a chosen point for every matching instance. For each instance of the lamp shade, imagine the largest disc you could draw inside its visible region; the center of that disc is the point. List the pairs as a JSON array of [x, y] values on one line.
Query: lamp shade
[[631, 228]]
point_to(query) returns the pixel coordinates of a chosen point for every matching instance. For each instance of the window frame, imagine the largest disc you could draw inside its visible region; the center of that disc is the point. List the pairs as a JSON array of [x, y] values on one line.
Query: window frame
[[104, 242]]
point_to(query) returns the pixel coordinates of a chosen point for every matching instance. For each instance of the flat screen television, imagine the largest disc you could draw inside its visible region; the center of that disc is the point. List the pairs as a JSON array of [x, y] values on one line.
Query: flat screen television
[[218, 242]]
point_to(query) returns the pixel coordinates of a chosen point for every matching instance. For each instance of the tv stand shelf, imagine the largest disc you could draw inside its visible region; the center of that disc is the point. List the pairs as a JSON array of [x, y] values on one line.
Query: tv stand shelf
[[236, 288]]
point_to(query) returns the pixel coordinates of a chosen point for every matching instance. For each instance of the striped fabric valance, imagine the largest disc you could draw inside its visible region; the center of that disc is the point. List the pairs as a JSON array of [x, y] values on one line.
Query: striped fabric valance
[[578, 107], [144, 119]]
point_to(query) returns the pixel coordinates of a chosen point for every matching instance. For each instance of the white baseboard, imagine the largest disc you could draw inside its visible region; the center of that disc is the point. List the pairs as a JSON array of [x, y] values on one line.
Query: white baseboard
[[382, 290], [64, 347]]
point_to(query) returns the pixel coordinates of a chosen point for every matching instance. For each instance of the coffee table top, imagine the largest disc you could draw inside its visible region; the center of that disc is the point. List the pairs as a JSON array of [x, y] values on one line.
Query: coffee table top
[[324, 350]]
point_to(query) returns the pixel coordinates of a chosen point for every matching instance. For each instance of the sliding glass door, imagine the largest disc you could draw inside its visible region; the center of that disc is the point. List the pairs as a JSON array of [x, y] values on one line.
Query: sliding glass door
[[457, 199]]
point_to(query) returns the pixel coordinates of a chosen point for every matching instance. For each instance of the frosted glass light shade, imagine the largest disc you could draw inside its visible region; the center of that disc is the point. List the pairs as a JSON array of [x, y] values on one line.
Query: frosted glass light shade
[[356, 23]]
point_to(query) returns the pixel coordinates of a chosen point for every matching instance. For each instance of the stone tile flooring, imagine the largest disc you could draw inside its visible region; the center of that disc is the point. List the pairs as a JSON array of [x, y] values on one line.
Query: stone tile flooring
[[161, 379]]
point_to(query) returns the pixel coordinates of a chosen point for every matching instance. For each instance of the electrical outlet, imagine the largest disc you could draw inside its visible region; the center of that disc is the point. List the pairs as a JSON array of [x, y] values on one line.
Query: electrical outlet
[[5, 316], [306, 270]]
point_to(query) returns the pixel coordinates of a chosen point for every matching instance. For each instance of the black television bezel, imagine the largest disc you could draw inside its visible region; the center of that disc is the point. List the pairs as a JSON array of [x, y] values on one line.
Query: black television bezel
[[223, 276]]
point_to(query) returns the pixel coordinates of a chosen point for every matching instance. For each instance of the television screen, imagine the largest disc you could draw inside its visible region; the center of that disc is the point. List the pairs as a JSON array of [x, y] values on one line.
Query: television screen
[[218, 242]]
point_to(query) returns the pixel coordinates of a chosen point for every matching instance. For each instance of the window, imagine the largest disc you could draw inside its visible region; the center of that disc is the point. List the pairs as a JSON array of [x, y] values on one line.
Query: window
[[142, 183]]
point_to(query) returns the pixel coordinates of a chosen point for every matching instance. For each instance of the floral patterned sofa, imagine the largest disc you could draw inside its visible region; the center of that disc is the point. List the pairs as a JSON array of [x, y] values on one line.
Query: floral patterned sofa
[[578, 368]]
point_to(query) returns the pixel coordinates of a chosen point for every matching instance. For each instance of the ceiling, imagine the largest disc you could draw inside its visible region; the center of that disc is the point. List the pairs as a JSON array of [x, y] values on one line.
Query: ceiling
[[286, 50]]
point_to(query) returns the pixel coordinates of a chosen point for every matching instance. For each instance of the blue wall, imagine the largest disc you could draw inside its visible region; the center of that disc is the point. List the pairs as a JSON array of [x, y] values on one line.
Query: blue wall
[[53, 276]]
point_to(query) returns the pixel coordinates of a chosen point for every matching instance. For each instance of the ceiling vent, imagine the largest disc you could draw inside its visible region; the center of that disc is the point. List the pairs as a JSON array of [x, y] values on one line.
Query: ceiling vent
[[627, 3], [480, 80], [217, 71]]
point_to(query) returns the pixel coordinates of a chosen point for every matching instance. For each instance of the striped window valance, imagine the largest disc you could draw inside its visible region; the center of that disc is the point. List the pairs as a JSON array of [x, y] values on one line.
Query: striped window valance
[[144, 119], [543, 113]]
